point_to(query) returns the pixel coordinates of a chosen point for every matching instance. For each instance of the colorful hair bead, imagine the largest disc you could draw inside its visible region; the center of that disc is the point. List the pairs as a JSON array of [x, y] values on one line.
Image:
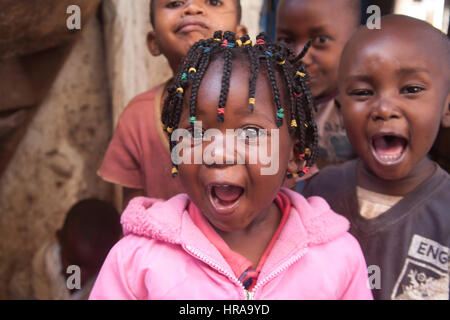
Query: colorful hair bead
[[169, 129], [301, 157], [180, 90], [183, 76], [281, 62], [251, 102], [217, 39], [220, 111], [293, 123], [192, 119], [305, 170], [206, 49], [298, 95], [260, 41], [307, 151], [192, 70], [269, 53], [301, 74], [280, 113], [246, 43], [292, 175], [224, 43], [174, 172], [239, 42]]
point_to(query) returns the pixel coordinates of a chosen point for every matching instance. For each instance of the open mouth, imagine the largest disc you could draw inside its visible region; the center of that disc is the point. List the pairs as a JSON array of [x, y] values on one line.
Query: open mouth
[[389, 149], [225, 198]]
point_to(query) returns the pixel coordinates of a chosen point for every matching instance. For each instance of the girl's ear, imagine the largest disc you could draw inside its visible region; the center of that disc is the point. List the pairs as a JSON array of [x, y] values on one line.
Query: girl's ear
[[152, 44], [294, 163], [241, 31], [446, 115]]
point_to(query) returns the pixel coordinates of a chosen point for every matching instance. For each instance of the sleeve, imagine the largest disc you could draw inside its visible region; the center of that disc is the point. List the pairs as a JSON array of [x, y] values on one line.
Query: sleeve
[[120, 277], [358, 284], [122, 164]]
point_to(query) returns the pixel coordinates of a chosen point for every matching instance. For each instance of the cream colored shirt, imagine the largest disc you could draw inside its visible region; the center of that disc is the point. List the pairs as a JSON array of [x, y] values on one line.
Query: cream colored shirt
[[372, 204]]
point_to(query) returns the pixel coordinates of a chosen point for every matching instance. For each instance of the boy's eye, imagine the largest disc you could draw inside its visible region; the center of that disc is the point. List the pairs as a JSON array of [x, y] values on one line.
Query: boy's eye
[[361, 92], [411, 89], [284, 39], [174, 4], [321, 40], [215, 3]]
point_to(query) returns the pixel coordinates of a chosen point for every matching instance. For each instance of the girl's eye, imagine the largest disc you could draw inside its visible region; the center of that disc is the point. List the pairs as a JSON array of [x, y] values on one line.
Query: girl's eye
[[411, 90], [196, 133], [321, 40], [215, 3], [250, 134], [174, 4]]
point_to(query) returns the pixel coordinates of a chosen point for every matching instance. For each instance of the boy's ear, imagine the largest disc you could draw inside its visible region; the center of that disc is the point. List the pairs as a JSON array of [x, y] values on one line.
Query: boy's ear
[[241, 30], [338, 106], [446, 116], [152, 44]]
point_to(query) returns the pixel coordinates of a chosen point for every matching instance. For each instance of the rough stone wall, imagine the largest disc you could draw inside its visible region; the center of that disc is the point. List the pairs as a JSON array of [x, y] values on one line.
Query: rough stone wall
[[55, 164]]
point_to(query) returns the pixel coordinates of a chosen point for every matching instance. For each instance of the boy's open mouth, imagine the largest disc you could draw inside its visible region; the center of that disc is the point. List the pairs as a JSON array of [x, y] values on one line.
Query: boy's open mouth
[[389, 148], [225, 197]]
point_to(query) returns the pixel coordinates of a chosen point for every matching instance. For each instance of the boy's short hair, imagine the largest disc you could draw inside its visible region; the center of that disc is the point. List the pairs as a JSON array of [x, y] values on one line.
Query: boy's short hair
[[238, 7]]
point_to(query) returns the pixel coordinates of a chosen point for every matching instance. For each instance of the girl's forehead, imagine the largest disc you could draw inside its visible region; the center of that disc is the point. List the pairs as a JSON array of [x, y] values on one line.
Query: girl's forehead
[[238, 89]]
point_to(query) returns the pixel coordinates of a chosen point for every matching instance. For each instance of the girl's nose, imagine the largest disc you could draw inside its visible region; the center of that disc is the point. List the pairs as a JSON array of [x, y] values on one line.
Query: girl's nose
[[194, 7], [220, 151], [385, 109]]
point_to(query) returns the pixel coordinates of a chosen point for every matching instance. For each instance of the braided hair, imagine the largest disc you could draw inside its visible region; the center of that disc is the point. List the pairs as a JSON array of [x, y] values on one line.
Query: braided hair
[[275, 58]]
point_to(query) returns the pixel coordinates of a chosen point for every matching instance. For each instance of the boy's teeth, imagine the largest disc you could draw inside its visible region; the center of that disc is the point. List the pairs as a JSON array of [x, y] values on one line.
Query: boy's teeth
[[390, 158], [389, 148]]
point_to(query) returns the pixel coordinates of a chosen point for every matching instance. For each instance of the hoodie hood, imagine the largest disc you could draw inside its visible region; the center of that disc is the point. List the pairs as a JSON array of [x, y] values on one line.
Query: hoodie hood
[[163, 220]]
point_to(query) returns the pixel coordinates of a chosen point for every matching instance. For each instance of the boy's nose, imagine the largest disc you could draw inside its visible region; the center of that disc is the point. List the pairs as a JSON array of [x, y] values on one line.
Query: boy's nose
[[194, 7], [385, 109], [307, 59]]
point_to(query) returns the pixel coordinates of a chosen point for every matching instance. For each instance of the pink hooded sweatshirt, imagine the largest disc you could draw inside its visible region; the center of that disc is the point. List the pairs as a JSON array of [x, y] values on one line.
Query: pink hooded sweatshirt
[[164, 255]]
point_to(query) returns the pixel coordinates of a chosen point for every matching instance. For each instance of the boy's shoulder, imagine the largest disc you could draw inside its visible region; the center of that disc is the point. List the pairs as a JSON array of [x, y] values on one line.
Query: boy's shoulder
[[331, 179], [140, 111], [143, 100]]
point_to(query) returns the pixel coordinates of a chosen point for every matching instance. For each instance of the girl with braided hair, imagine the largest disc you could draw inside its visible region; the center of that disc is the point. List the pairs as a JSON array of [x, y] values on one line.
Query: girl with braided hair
[[237, 233]]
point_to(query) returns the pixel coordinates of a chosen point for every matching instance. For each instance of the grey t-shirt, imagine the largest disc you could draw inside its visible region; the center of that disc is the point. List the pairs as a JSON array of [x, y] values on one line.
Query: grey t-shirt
[[406, 248]]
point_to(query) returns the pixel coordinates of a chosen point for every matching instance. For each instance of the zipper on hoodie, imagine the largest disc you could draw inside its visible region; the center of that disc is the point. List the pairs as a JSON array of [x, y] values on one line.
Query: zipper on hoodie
[[282, 268], [248, 295], [214, 265]]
